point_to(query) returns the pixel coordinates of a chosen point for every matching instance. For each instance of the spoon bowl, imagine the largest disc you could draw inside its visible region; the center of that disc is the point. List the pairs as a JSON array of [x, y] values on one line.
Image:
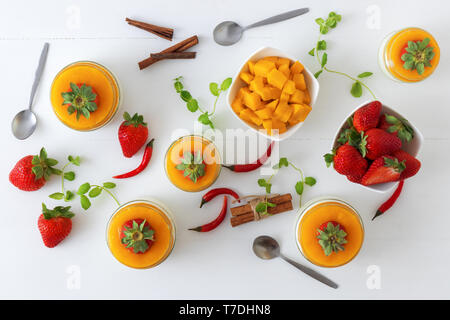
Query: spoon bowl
[[24, 124], [266, 247], [227, 33]]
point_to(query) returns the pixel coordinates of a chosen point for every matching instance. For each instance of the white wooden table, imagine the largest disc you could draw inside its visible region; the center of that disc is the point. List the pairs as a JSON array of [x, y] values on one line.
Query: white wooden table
[[407, 248]]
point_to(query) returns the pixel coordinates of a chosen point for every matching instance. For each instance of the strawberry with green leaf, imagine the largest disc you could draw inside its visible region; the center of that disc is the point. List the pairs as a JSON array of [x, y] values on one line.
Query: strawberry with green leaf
[[55, 225], [81, 99], [417, 55], [384, 169], [137, 236], [331, 237], [192, 166], [397, 126], [133, 134], [32, 172]]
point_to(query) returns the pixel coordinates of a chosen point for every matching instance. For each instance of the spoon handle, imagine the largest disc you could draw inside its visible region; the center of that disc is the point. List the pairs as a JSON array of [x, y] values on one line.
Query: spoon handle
[[278, 18], [311, 272], [38, 73]]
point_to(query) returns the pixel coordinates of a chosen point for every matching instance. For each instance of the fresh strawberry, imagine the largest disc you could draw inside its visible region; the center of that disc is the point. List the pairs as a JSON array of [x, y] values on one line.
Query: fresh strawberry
[[398, 127], [367, 117], [331, 237], [384, 169], [81, 99], [137, 236], [347, 161], [412, 164], [376, 143], [55, 225], [354, 179], [32, 172], [133, 134]]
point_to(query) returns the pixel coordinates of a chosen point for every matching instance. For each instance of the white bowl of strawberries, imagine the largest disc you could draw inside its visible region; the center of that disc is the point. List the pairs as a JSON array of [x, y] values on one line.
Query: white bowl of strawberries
[[376, 147]]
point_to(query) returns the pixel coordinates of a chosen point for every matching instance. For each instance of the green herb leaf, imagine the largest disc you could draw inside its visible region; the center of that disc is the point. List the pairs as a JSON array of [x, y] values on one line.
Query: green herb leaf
[[192, 105], [69, 175], [57, 196], [356, 90], [261, 207], [324, 59], [84, 188], [95, 192], [85, 202], [214, 88], [310, 181], [226, 84], [204, 119], [365, 74], [299, 187], [69, 196], [262, 182], [317, 74], [268, 187], [321, 45], [178, 86], [109, 185], [312, 52], [185, 95]]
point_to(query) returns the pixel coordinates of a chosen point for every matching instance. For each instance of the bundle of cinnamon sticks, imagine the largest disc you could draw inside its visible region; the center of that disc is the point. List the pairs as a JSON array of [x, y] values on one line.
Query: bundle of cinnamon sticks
[[245, 213], [174, 52]]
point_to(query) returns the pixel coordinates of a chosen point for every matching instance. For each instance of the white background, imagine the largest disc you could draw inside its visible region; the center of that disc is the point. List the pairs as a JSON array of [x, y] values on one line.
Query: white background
[[409, 244]]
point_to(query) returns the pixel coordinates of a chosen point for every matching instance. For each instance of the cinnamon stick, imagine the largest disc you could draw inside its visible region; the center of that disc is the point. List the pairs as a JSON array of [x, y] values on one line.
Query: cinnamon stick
[[179, 47], [174, 55], [246, 208], [165, 33], [247, 217]]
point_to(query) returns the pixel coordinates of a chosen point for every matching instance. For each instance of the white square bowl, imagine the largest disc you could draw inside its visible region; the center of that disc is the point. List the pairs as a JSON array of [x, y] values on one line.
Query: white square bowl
[[412, 147], [311, 83]]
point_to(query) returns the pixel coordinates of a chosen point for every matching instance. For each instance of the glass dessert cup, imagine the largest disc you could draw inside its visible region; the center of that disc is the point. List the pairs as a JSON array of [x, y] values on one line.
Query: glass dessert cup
[[192, 144], [160, 220], [103, 82], [394, 46], [321, 210]]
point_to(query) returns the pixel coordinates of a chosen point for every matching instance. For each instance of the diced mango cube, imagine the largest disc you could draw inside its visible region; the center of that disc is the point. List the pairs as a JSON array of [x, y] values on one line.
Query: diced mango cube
[[269, 93], [264, 113], [297, 97], [263, 67], [251, 67], [289, 87], [271, 58], [284, 68], [267, 124], [297, 67], [282, 61], [278, 125], [299, 80], [272, 105], [276, 78], [257, 85], [301, 111], [249, 116], [246, 77], [252, 100], [237, 105], [284, 98], [283, 111], [307, 97]]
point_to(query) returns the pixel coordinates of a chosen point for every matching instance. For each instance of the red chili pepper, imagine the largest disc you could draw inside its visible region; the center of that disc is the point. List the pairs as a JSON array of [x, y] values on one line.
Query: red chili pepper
[[390, 202], [213, 224], [145, 160], [252, 166], [211, 194]]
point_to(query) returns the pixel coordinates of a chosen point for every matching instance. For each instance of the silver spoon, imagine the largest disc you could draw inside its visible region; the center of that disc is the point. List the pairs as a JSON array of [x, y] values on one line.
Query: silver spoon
[[228, 33], [24, 123], [266, 247]]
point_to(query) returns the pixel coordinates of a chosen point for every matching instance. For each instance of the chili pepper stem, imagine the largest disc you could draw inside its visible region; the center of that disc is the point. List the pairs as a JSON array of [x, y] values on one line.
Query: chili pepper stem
[[198, 229], [202, 203], [229, 167], [379, 213]]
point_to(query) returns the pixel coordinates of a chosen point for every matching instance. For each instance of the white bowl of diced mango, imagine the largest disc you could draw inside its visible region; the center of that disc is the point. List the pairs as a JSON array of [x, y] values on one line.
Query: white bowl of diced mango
[[273, 93]]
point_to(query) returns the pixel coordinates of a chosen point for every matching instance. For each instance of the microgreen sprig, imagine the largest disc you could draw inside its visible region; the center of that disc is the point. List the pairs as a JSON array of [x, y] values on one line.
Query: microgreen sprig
[[192, 104], [325, 25], [69, 176], [263, 206], [87, 190]]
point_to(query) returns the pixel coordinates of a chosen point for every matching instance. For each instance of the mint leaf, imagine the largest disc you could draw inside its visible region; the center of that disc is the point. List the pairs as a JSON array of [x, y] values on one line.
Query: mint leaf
[[262, 182], [85, 203], [192, 105], [214, 88], [365, 74], [69, 175], [95, 192], [226, 84], [317, 74], [356, 90], [324, 59], [310, 181], [185, 95], [321, 45], [312, 51], [56, 195], [84, 188], [204, 119], [261, 207], [299, 188], [69, 196], [109, 185]]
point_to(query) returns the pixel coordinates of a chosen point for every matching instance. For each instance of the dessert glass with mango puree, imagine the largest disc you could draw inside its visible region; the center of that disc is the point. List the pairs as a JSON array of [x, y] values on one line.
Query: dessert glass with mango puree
[[85, 95], [141, 234], [409, 55], [192, 163], [329, 232]]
